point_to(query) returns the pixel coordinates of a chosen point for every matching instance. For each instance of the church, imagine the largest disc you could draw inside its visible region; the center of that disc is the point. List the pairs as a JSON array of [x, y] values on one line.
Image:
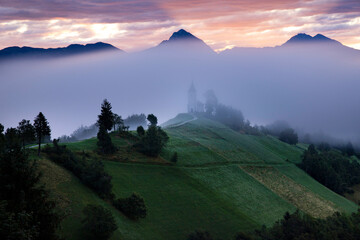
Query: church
[[194, 106]]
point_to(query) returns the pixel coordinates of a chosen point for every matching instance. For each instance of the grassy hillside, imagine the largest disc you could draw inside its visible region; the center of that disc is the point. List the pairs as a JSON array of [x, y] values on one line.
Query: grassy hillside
[[223, 182]]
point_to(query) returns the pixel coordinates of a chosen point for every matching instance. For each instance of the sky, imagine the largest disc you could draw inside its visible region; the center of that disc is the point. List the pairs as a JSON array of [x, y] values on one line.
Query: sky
[[134, 25]]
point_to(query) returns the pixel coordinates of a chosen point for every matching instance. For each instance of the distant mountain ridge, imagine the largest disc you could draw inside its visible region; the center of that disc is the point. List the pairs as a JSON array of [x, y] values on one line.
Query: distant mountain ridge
[[179, 43], [305, 38], [73, 49]]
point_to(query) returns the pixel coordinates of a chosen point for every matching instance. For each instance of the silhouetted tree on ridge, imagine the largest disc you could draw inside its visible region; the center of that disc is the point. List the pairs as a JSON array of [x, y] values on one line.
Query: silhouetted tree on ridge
[[26, 132], [42, 129]]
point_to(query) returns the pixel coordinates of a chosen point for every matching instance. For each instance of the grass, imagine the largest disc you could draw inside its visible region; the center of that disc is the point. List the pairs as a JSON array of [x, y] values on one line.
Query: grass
[[223, 182], [177, 203]]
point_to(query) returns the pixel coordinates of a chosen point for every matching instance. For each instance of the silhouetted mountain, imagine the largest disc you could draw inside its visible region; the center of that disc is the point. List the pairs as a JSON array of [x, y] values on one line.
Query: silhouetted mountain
[[182, 42], [300, 44], [73, 49], [303, 38]]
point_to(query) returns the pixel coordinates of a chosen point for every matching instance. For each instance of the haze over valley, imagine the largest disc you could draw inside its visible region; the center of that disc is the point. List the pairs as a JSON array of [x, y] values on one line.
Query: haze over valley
[[310, 82]]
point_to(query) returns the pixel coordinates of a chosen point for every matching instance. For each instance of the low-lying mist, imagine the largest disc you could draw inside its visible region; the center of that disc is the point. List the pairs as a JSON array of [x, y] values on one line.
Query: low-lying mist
[[312, 89]]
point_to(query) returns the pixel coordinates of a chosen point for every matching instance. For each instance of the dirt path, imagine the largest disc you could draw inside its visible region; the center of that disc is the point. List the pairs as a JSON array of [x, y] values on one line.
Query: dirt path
[[182, 123]]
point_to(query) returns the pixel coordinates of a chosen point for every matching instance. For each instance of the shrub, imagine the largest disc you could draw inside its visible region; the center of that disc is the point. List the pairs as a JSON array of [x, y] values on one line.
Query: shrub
[[133, 207], [98, 223]]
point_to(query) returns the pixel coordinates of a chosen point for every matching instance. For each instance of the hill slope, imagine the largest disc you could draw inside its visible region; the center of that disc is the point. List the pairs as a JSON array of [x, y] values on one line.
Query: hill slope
[[224, 182]]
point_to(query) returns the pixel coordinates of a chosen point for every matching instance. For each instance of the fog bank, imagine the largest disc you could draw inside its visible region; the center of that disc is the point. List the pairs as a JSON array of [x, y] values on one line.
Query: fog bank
[[314, 89]]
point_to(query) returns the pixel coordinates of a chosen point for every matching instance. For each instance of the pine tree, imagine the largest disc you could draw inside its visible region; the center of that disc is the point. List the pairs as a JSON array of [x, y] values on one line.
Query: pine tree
[[104, 141], [42, 129], [106, 118]]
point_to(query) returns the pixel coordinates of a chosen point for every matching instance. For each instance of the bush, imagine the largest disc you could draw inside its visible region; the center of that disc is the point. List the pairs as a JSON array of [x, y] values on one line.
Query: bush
[[99, 223], [133, 207], [174, 157], [289, 136]]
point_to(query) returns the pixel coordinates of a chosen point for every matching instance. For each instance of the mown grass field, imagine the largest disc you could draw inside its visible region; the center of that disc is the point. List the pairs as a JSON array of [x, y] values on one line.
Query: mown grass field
[[223, 182]]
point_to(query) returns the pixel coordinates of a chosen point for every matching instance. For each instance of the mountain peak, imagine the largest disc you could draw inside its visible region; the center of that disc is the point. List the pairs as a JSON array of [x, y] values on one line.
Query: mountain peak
[[182, 35], [305, 38], [185, 41]]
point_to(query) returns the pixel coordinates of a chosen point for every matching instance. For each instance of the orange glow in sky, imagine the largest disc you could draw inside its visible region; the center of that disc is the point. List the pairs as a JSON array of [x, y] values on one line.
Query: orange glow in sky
[[133, 25]]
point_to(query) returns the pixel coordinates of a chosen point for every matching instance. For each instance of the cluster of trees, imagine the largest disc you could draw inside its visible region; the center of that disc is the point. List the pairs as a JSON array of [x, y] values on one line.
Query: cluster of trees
[[135, 120], [152, 141], [26, 210], [331, 168], [289, 136], [282, 130], [83, 132], [299, 226], [91, 172], [27, 133], [227, 115]]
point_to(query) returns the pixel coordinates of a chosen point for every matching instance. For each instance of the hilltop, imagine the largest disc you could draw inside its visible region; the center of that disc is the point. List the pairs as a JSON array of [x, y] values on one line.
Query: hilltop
[[223, 182]]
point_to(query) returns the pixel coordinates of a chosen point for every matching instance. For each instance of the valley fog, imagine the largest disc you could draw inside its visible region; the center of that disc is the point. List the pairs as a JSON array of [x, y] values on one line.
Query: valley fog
[[313, 90]]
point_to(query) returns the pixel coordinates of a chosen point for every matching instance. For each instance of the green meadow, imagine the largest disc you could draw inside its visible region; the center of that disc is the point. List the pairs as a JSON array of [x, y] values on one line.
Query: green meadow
[[224, 182]]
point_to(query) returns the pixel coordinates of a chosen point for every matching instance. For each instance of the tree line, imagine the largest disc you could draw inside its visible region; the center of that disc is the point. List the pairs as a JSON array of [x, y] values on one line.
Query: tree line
[[300, 226], [331, 168]]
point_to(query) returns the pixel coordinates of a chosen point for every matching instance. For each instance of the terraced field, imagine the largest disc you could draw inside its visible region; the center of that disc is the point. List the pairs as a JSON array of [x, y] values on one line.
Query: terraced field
[[223, 182]]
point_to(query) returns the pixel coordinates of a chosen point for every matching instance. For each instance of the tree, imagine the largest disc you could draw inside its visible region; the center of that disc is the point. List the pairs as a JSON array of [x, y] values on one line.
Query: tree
[[153, 141], [135, 120], [106, 118], [26, 132], [42, 129], [98, 223], [105, 123], [133, 207], [26, 211], [289, 136], [104, 141], [12, 140], [211, 102], [118, 121], [152, 119], [140, 131]]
